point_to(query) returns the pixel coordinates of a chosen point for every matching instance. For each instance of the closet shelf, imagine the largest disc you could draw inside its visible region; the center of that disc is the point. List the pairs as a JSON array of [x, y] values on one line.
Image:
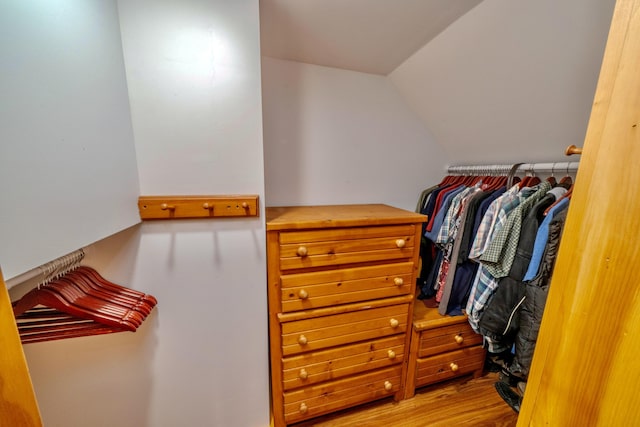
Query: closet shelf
[[183, 207]]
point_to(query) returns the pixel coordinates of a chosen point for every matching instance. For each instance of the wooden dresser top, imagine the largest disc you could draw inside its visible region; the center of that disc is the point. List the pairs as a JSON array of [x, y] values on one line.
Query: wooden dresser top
[[326, 216], [428, 318]]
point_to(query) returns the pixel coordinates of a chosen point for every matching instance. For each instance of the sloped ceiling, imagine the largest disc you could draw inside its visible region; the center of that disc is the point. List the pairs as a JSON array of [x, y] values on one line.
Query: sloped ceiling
[[492, 80], [371, 36], [511, 81]]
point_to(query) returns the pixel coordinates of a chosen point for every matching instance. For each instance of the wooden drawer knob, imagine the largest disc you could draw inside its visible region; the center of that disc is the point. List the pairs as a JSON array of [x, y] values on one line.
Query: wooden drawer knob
[[454, 367], [302, 340], [302, 294], [398, 281], [394, 323], [400, 243], [459, 339], [302, 251], [303, 408], [391, 354], [388, 386], [303, 374]]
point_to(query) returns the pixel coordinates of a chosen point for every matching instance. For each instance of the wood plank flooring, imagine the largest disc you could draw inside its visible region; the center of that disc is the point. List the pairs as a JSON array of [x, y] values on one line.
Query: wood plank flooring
[[459, 402]]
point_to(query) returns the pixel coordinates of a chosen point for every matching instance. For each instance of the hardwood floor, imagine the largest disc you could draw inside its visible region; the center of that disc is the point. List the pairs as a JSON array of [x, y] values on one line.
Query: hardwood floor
[[460, 402]]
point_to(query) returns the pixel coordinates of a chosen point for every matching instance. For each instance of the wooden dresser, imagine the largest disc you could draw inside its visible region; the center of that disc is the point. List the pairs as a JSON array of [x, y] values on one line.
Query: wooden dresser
[[341, 290], [442, 347]]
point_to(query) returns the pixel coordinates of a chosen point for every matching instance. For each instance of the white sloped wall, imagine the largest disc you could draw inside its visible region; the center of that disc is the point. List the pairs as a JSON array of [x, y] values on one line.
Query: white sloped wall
[[512, 80], [65, 126]]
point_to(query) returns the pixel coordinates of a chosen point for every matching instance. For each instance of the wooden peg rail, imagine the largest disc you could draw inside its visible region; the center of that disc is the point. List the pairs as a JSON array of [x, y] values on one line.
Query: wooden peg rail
[[179, 207]]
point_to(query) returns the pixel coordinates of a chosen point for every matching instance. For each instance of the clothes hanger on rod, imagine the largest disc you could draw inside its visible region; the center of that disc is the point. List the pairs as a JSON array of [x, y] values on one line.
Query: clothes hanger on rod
[[48, 324], [96, 285], [530, 178], [552, 178], [79, 302], [567, 181], [63, 297], [511, 175]]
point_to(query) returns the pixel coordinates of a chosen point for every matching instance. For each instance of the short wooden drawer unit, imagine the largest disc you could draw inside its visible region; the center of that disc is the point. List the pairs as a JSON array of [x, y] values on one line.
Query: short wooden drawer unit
[[341, 294], [442, 347]]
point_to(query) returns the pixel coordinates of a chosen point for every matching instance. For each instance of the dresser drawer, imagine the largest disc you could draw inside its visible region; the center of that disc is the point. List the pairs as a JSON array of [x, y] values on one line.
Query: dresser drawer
[[340, 246], [447, 338], [333, 287], [448, 365], [313, 367], [346, 328], [334, 395]]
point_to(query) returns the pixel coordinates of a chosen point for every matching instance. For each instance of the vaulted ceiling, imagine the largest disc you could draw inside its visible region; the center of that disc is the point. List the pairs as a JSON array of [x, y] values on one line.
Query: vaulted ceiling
[[371, 36]]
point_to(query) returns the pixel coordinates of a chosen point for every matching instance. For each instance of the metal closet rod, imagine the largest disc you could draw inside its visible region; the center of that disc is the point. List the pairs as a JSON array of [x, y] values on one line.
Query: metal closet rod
[[48, 271], [557, 167]]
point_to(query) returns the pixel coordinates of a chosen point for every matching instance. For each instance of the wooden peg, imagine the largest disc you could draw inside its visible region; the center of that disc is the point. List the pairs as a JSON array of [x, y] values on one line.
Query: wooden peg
[[572, 149]]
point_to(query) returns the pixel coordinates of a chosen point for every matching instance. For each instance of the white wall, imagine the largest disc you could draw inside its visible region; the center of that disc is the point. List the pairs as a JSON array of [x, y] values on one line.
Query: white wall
[[201, 358], [333, 136], [65, 127], [510, 81]]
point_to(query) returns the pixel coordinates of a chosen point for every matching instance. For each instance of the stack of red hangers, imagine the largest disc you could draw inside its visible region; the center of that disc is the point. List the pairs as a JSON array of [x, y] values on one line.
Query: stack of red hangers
[[79, 303]]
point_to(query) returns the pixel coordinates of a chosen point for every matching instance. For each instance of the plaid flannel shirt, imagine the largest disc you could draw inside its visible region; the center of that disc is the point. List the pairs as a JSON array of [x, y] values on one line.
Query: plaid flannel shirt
[[487, 225], [499, 255], [448, 230], [484, 283]]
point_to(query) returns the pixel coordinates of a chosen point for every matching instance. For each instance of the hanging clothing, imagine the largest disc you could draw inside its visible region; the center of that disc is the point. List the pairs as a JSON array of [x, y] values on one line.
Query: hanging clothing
[[530, 226], [467, 216], [450, 195], [501, 247], [448, 234], [499, 320], [499, 256], [493, 220], [541, 239], [443, 209], [536, 292], [466, 269], [489, 254], [485, 283], [428, 251]]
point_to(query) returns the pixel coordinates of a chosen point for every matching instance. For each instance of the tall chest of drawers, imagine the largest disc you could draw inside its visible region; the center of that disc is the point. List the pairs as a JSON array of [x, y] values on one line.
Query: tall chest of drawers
[[341, 285]]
